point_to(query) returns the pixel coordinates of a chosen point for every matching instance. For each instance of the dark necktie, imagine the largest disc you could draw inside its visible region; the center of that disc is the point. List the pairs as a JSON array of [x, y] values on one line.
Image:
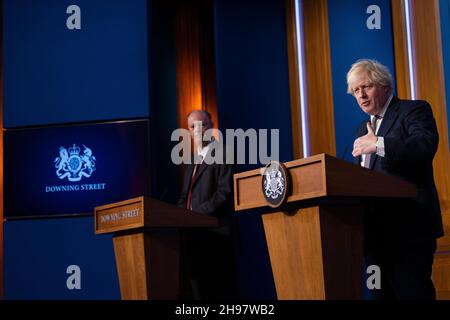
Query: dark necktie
[[374, 127], [191, 184]]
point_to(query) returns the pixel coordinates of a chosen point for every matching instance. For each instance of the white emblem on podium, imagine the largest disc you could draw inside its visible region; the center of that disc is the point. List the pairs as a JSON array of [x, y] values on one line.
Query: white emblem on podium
[[273, 183]]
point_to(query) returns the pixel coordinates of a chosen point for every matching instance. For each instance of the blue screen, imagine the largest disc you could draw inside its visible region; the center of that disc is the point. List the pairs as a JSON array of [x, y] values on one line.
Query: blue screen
[[72, 169], [55, 73], [445, 31], [350, 40], [38, 252]]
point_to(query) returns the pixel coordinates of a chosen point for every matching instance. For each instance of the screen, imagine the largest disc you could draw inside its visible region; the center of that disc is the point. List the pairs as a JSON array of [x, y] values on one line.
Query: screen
[[74, 61], [71, 169], [39, 254]]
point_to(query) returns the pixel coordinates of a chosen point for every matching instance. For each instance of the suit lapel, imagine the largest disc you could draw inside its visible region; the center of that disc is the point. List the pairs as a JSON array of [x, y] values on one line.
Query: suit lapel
[[202, 168], [389, 119], [189, 169], [203, 165]]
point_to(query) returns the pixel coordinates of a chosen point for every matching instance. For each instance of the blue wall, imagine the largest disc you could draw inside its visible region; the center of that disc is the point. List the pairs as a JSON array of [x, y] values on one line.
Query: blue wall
[[38, 252], [253, 92], [56, 75], [350, 40], [53, 75], [445, 31], [163, 99]]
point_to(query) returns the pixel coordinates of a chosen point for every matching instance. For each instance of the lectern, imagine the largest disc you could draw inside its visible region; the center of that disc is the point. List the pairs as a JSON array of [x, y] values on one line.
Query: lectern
[[315, 238], [146, 244]]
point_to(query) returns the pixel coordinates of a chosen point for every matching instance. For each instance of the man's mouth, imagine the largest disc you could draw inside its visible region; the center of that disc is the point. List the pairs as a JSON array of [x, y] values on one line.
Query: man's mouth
[[365, 103]]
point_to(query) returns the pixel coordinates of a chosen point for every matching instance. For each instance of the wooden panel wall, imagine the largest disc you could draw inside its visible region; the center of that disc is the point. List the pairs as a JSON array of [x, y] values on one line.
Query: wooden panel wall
[[294, 83], [319, 92], [400, 49], [430, 86], [195, 67]]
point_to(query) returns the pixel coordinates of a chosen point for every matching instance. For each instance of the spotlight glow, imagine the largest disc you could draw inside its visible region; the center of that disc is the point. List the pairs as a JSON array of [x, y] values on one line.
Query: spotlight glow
[[301, 76], [410, 50]]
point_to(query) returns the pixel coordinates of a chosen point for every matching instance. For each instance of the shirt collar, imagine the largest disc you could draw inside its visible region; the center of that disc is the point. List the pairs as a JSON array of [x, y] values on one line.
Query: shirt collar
[[206, 148], [383, 111]]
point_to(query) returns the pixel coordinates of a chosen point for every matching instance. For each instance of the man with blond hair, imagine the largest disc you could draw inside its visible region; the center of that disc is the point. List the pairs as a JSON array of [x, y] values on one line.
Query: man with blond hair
[[400, 139]]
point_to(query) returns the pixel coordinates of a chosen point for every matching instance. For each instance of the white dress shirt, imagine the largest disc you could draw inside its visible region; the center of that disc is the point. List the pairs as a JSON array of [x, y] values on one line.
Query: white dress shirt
[[380, 140]]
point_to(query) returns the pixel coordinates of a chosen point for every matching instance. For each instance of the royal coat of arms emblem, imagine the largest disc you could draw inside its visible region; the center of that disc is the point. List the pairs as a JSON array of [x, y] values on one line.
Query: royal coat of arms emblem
[[74, 164], [275, 183]]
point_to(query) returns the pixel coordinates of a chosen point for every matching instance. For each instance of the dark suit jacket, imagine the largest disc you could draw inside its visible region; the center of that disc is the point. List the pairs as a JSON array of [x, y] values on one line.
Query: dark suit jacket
[[209, 254], [411, 140], [212, 192]]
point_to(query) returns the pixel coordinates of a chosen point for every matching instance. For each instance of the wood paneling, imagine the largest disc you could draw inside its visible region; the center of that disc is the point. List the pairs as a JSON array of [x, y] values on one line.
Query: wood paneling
[[294, 85], [441, 274], [299, 275], [430, 86], [188, 68], [145, 212], [319, 176], [319, 94], [130, 261], [147, 244], [316, 252], [342, 227], [429, 81], [401, 49], [429, 74], [444, 242], [128, 214], [318, 83], [195, 66], [148, 265]]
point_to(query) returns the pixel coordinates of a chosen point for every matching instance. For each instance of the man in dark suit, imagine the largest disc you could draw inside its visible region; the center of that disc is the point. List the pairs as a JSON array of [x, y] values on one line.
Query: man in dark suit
[[401, 140], [207, 189]]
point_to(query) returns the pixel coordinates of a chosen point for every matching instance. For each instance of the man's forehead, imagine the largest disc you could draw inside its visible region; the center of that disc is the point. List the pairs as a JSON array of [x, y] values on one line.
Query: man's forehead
[[197, 116], [359, 79]]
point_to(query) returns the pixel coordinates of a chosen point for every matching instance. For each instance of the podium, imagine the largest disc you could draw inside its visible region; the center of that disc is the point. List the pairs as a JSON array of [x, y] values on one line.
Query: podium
[[315, 238], [147, 243]]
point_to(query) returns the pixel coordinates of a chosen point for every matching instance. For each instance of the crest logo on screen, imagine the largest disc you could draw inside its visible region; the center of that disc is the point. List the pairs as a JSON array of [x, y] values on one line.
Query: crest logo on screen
[[74, 163]]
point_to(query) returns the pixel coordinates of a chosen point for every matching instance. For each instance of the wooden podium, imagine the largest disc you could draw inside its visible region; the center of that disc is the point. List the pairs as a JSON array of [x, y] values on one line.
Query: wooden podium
[[146, 244], [315, 239]]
